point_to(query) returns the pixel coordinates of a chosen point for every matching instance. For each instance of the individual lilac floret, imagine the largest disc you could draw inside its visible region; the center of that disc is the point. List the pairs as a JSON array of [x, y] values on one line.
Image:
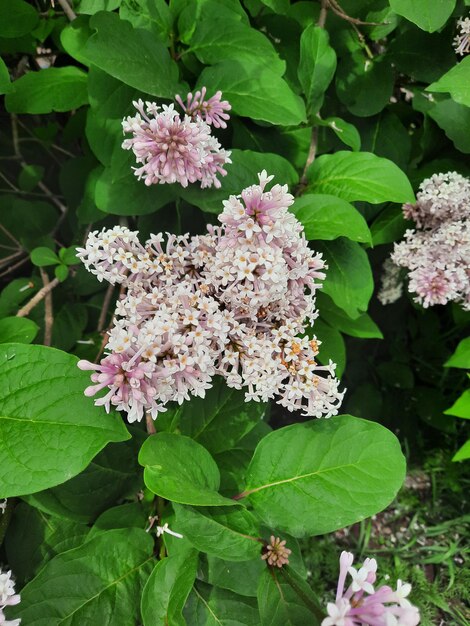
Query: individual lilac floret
[[8, 597], [172, 149], [462, 38], [212, 111], [361, 605]]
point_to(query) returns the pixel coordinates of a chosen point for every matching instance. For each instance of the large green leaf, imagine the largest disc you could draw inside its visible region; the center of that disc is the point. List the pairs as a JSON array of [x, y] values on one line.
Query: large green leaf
[[363, 326], [332, 345], [181, 470], [51, 89], [463, 453], [461, 356], [328, 217], [461, 407], [312, 478], [388, 226], [429, 16], [359, 176], [211, 606], [238, 576], [17, 330], [50, 430], [255, 91], [167, 589], [229, 533], [317, 66], [17, 18], [456, 82], [96, 583], [452, 117], [349, 281]]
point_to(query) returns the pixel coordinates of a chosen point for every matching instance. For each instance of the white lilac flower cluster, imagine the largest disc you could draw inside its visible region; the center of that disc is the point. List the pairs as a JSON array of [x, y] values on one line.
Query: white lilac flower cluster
[[175, 149], [233, 302], [8, 597], [362, 605], [437, 253], [462, 38]]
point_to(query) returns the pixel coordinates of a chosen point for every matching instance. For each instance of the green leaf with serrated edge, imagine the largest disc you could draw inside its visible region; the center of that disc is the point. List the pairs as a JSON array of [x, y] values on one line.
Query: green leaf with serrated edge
[[112, 475], [240, 174], [315, 477], [211, 606], [167, 589], [285, 599], [52, 89], [461, 356], [388, 226], [17, 18], [181, 470], [359, 176], [463, 453], [329, 217], [345, 131], [17, 330], [363, 327], [216, 39], [217, 421], [332, 345], [130, 515], [46, 419], [461, 407], [33, 538], [316, 67], [349, 281], [97, 582], [131, 55], [229, 533], [255, 91], [429, 16], [456, 82]]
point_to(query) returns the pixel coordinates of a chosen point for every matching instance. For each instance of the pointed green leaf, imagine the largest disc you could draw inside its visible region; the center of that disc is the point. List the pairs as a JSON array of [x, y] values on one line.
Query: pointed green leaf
[[316, 67]]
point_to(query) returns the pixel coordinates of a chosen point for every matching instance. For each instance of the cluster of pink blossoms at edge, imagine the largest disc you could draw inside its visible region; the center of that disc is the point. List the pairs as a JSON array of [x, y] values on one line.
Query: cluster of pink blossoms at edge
[[436, 253], [175, 149], [8, 597], [361, 605], [233, 302]]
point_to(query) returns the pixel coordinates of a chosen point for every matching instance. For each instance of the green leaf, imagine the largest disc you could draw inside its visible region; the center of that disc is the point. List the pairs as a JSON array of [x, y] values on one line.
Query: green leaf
[[17, 18], [240, 174], [461, 356], [452, 117], [52, 427], [388, 226], [69, 255], [69, 324], [312, 478], [217, 39], [281, 604], [219, 420], [332, 345], [316, 67], [167, 589], [30, 222], [154, 15], [97, 582], [329, 217], [238, 576], [52, 89], [463, 453], [42, 257], [130, 515], [346, 132], [255, 91], [181, 470], [90, 7], [226, 532], [428, 16], [33, 538], [61, 272], [461, 407], [29, 176], [385, 136], [359, 176], [112, 475], [456, 82], [211, 606], [363, 326], [131, 55], [17, 330], [5, 83], [349, 281]]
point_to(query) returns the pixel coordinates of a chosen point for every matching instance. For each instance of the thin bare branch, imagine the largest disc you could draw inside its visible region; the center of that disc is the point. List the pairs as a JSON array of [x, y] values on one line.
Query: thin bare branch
[[67, 9], [48, 311], [41, 294], [104, 309]]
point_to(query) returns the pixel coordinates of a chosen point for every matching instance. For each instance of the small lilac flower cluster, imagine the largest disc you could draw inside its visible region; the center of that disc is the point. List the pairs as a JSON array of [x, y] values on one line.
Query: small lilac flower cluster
[[437, 253], [462, 38], [233, 302], [362, 605], [8, 597], [175, 149]]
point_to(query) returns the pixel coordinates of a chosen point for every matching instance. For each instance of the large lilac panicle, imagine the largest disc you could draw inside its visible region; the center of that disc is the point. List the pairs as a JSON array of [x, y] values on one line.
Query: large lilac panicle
[[360, 604], [8, 597], [233, 302], [212, 111], [172, 149]]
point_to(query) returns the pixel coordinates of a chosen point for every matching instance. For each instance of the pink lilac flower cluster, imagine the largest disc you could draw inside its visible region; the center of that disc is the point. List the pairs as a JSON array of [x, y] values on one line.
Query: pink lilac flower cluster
[[363, 605], [234, 302], [8, 597], [437, 253], [462, 38], [175, 149]]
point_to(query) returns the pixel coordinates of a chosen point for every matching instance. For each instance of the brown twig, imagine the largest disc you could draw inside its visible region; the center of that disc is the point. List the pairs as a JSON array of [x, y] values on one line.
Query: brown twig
[[104, 309], [14, 267], [150, 424], [41, 294], [335, 7], [323, 14], [48, 311], [67, 9]]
